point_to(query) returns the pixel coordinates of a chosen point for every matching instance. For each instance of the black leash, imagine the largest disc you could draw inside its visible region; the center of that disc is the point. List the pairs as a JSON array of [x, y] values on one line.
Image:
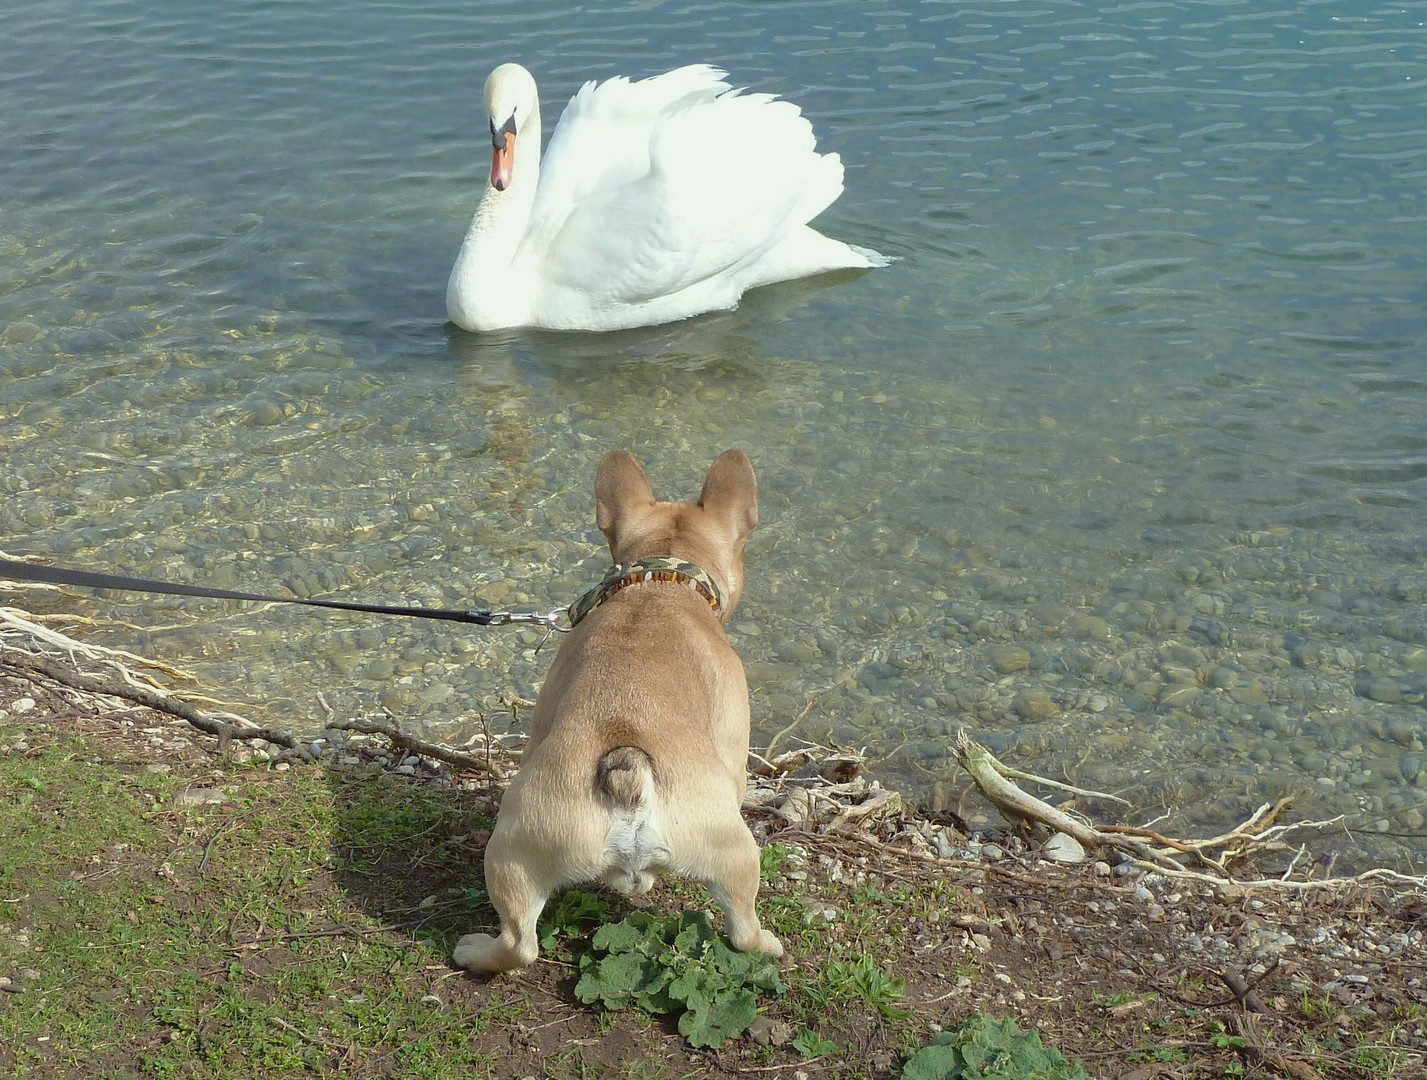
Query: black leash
[[56, 575]]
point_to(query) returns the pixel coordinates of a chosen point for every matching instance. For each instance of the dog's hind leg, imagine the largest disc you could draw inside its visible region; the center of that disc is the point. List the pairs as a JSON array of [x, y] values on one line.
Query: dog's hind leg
[[518, 901], [730, 870]]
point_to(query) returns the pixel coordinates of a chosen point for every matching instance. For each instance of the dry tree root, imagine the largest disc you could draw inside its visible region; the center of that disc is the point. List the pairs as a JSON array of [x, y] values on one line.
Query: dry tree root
[[38, 653], [492, 765], [1153, 851], [44, 655], [149, 697]]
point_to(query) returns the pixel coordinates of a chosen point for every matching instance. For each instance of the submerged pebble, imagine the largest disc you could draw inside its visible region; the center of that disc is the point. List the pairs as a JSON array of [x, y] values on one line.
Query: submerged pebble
[[1087, 627], [1034, 705], [1008, 658]]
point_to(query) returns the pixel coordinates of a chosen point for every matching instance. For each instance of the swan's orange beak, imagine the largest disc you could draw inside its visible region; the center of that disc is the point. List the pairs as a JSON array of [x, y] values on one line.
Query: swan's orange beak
[[502, 161]]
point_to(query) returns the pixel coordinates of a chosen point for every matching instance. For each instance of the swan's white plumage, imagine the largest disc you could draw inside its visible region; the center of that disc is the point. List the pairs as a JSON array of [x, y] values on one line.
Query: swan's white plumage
[[656, 200]]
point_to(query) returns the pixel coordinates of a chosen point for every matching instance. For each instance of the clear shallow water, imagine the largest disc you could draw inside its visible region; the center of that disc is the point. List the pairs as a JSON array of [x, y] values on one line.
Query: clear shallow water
[[1122, 465]]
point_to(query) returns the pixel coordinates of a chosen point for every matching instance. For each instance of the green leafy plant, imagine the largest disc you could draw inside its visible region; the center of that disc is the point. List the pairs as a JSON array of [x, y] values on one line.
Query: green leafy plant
[[575, 912], [677, 964], [810, 1044], [990, 1049], [861, 978], [1222, 1039], [1169, 1054], [771, 858]]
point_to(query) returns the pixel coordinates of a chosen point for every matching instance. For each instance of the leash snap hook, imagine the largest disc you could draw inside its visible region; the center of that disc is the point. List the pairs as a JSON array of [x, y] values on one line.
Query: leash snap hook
[[551, 620]]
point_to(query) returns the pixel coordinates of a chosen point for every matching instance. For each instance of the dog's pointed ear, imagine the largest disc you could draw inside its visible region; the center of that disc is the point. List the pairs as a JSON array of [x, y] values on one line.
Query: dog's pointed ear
[[731, 491], [620, 487]]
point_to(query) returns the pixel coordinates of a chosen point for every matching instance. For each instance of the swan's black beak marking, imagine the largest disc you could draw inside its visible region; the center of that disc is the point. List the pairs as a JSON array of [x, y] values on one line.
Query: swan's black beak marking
[[498, 134]]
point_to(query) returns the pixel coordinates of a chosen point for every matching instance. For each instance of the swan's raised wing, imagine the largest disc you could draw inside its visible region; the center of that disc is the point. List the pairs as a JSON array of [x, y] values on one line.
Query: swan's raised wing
[[674, 183], [602, 140]]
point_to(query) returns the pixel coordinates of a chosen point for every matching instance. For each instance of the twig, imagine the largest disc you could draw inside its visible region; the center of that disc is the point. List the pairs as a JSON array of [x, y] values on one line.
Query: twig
[[228, 827], [1010, 771], [1244, 993], [336, 1048], [557, 1020], [773, 742], [299, 935], [416, 745], [806, 1063], [1302, 850]]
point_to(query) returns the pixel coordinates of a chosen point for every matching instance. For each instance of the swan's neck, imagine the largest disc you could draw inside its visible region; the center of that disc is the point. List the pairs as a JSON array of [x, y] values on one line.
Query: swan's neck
[[484, 289], [502, 217]]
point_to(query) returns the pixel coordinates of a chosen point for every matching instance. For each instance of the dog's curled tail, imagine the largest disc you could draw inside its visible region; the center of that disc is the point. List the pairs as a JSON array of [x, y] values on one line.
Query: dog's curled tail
[[622, 775]]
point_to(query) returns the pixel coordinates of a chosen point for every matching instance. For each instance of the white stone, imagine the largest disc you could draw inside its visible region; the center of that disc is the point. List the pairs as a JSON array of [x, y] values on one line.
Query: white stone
[[1063, 848]]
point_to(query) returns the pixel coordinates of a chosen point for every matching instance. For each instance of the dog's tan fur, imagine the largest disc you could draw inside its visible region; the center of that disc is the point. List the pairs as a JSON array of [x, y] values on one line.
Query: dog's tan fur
[[639, 740]]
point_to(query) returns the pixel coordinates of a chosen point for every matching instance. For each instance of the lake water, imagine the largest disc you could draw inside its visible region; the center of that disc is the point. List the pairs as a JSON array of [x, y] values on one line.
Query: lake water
[[1122, 465]]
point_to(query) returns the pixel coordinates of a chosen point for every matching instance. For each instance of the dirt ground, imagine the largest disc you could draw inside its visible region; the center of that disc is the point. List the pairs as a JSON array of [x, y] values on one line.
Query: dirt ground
[[1136, 976]]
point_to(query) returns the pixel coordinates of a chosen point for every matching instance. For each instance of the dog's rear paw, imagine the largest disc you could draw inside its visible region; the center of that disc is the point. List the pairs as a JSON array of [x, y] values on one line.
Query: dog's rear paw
[[484, 954], [472, 950], [764, 942], [767, 943]]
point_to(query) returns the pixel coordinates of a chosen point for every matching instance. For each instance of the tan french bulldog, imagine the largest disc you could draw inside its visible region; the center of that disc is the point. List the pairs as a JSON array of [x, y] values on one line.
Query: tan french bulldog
[[639, 740]]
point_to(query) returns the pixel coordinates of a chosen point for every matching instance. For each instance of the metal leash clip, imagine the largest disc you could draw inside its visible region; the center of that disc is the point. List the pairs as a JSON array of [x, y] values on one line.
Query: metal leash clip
[[552, 620]]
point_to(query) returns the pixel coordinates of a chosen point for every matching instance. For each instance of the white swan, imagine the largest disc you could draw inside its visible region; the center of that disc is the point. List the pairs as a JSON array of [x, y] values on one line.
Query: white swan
[[657, 200]]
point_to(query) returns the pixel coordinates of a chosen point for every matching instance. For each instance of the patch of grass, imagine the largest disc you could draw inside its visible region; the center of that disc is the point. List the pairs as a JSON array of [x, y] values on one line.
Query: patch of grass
[[772, 858], [218, 920], [1314, 1008], [1168, 1054], [789, 918], [210, 939], [859, 979], [1110, 1001], [845, 926]]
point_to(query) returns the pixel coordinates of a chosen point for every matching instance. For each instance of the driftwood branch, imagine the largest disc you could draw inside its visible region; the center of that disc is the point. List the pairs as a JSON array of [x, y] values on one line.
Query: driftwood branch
[[1154, 851], [1017, 774], [412, 744], [991, 778], [30, 628], [30, 665], [47, 654]]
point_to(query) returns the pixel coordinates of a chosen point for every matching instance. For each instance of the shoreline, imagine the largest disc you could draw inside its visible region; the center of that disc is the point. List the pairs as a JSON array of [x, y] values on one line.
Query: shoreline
[[1113, 964]]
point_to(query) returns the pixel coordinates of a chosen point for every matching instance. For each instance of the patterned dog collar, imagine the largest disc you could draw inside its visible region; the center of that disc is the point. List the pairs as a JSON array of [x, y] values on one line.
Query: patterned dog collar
[[623, 575]]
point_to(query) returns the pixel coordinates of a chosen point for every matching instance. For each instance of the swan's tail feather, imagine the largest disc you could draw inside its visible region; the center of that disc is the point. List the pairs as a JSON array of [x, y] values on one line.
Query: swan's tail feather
[[874, 258]]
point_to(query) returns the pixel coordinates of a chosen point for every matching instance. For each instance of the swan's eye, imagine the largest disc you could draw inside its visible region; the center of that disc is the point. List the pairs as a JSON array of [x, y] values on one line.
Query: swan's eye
[[498, 134]]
